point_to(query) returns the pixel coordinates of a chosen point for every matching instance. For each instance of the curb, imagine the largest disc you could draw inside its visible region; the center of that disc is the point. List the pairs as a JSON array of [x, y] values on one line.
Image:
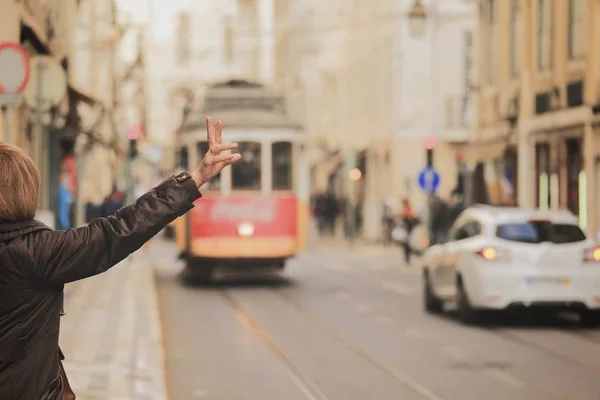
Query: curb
[[149, 380]]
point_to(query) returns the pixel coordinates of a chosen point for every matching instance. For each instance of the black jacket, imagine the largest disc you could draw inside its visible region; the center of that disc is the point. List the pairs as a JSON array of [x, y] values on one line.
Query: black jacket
[[36, 262]]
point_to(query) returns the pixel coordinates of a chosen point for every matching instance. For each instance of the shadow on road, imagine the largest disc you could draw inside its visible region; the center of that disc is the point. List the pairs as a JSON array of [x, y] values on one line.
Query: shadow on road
[[233, 280], [525, 321]]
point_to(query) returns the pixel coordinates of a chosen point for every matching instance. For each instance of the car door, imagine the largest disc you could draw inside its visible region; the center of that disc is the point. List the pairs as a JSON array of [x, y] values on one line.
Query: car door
[[450, 262]]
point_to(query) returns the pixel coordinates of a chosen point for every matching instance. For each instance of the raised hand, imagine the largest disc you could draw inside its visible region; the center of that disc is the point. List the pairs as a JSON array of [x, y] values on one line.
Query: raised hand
[[213, 161]]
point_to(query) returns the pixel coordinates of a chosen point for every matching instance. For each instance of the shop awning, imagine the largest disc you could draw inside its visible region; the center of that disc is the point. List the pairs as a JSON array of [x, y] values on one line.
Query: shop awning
[[485, 150], [79, 95]]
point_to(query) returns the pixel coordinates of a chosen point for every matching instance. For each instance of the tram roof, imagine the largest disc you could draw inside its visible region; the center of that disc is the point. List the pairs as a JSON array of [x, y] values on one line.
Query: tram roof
[[242, 104]]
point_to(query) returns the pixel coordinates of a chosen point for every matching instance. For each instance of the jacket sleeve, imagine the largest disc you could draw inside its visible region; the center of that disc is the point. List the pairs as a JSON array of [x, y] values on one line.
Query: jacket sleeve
[[65, 256]]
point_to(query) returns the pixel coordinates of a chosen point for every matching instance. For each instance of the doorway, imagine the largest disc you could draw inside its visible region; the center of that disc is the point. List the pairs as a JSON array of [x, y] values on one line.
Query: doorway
[[575, 176]]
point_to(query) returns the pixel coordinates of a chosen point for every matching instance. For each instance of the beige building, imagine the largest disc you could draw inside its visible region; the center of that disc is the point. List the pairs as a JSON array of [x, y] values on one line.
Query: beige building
[[538, 133], [369, 92], [82, 36], [42, 27]]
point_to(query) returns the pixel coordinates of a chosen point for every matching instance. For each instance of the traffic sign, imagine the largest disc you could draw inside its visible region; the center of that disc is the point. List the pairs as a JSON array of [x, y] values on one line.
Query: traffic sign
[[48, 84], [429, 180], [430, 142], [134, 132], [14, 73]]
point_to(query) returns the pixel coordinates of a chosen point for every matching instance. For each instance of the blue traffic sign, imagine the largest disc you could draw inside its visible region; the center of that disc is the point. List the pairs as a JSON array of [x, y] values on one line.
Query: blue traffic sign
[[429, 180]]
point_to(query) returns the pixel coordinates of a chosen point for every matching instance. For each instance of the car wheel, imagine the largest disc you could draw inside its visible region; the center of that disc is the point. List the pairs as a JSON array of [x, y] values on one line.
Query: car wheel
[[432, 304], [465, 312], [590, 319]]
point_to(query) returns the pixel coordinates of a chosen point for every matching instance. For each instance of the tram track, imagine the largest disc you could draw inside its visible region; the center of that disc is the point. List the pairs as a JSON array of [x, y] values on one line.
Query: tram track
[[303, 383], [512, 337], [307, 387]]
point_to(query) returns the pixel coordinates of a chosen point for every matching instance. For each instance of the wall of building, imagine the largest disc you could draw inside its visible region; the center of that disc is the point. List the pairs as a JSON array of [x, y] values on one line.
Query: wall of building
[[429, 77], [560, 121]]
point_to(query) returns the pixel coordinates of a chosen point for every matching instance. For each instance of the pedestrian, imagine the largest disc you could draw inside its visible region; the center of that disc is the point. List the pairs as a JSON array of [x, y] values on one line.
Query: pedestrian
[[438, 219], [409, 221], [331, 212], [37, 262]]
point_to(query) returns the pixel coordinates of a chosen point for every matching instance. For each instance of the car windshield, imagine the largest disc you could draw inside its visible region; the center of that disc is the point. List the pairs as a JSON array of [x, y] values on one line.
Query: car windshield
[[539, 232]]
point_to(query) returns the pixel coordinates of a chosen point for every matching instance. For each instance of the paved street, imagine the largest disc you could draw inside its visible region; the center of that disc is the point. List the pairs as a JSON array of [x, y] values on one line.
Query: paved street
[[110, 334], [340, 326]]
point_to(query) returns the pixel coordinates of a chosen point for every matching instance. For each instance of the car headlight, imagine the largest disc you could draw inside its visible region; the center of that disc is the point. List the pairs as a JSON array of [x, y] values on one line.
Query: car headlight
[[245, 229]]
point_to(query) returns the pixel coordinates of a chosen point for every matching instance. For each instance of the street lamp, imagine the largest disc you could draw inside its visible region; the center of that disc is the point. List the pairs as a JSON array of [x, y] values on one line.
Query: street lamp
[[417, 16]]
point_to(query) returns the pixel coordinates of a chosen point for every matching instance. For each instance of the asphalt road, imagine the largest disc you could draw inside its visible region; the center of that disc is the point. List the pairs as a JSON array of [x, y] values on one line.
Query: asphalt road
[[335, 326]]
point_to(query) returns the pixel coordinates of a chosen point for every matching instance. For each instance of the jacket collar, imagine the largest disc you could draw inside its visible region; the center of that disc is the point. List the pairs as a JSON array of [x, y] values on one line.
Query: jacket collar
[[12, 230]]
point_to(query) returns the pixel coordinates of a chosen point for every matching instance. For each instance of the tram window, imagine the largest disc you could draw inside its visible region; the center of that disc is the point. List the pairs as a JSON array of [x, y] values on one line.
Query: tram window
[[214, 183], [282, 165], [183, 158], [245, 174]]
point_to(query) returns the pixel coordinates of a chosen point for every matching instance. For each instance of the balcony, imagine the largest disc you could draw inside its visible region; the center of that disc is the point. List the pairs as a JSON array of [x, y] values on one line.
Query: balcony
[[458, 118], [49, 21]]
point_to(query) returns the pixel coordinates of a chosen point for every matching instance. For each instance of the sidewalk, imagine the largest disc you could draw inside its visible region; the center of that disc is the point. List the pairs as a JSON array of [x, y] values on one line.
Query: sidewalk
[[111, 335], [358, 247], [340, 245]]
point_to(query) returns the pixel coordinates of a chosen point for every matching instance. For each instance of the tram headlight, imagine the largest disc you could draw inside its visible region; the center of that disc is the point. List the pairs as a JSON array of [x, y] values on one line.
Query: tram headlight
[[245, 229]]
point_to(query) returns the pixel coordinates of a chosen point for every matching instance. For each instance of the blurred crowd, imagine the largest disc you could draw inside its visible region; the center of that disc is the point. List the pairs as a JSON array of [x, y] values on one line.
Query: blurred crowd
[[399, 219]]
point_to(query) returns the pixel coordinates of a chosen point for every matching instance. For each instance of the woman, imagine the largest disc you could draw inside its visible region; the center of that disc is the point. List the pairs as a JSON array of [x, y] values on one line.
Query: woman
[[36, 262]]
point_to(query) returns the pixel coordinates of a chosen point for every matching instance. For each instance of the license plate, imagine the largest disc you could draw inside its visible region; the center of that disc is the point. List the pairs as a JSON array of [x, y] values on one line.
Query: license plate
[[549, 281]]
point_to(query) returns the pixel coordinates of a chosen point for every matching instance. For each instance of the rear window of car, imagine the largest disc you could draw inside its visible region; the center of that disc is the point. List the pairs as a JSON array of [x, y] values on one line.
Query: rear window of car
[[539, 232]]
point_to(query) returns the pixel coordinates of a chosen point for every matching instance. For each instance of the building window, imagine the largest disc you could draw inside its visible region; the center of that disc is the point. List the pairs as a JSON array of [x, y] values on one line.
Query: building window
[[228, 40], [466, 117], [282, 166], [489, 40], [577, 28], [515, 32], [544, 34], [245, 173], [182, 158], [543, 176], [184, 38]]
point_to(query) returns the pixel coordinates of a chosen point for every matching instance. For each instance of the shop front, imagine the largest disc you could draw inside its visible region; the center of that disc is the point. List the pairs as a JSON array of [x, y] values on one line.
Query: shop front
[[493, 169], [561, 180]]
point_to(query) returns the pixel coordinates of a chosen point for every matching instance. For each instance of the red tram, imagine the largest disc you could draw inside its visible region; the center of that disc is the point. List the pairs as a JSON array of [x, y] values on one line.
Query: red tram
[[255, 213]]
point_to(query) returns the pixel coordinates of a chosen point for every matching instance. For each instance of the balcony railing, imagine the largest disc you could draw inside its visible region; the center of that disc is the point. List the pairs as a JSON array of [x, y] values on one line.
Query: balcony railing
[[49, 20]]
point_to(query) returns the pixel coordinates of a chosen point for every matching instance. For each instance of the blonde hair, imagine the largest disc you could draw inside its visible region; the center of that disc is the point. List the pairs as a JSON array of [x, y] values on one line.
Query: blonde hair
[[19, 184]]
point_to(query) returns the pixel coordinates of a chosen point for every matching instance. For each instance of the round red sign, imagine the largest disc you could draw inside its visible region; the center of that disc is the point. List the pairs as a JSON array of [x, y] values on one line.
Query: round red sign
[[430, 142], [14, 68]]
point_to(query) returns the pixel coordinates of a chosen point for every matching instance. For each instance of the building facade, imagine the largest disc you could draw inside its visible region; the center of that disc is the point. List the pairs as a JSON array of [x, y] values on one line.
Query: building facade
[[42, 28], [190, 44], [537, 92], [431, 78], [368, 94]]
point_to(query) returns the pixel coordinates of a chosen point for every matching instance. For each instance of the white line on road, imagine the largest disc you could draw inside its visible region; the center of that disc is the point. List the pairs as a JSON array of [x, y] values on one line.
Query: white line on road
[[337, 267], [342, 296], [455, 353], [415, 333], [398, 288], [505, 377], [377, 267], [384, 319], [362, 308]]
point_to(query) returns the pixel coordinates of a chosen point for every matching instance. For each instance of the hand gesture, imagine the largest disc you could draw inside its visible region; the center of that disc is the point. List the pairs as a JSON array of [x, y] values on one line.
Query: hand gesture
[[213, 162]]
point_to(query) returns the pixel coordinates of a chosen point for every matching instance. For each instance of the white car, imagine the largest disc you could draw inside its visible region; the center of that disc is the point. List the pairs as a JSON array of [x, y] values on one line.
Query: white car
[[497, 258]]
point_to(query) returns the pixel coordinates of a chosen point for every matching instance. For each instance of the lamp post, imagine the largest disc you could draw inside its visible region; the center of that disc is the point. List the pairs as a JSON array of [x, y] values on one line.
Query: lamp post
[[417, 17]]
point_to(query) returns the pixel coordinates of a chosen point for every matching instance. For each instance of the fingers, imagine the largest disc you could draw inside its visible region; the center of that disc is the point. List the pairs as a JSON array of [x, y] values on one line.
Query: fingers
[[210, 132], [234, 158], [219, 132], [219, 147], [222, 158]]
